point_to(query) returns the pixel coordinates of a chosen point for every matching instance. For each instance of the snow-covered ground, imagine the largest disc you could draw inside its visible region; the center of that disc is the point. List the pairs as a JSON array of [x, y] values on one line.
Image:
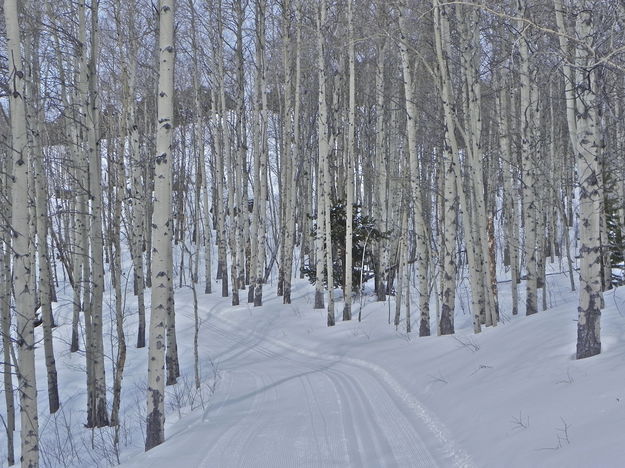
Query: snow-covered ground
[[280, 389]]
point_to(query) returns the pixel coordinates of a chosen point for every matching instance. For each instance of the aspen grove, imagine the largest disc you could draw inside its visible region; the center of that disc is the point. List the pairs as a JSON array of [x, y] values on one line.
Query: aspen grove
[[391, 151]]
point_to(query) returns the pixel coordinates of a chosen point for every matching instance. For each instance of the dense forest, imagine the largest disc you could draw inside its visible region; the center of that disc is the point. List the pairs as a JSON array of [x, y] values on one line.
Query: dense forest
[[391, 148]]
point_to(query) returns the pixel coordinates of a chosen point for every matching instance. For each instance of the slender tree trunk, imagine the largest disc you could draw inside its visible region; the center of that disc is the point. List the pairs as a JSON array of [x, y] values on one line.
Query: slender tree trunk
[[350, 154], [99, 409], [41, 224], [322, 122], [381, 172], [510, 205], [261, 6], [5, 310]]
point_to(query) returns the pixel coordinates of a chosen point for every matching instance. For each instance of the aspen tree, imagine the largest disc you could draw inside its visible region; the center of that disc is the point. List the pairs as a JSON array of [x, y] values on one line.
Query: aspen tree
[[528, 166], [22, 260], [510, 204], [470, 61], [39, 217], [239, 157], [201, 174], [291, 153], [6, 165], [75, 261], [350, 154], [162, 229], [414, 171], [323, 151], [263, 160], [588, 167], [222, 142], [256, 154], [442, 40], [98, 410], [118, 177]]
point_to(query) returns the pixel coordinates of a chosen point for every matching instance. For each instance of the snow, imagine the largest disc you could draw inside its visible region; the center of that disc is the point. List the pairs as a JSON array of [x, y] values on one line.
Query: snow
[[280, 389]]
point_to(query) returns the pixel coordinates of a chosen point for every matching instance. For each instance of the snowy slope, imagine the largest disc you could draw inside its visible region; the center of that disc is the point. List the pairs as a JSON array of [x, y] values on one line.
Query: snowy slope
[[295, 393], [280, 389]]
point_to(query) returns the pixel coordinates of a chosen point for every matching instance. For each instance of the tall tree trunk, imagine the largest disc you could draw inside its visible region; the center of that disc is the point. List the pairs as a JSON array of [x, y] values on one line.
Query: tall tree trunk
[[322, 125], [161, 230], [588, 168], [5, 309], [350, 154], [528, 167], [22, 253], [98, 408], [442, 40], [41, 222], [415, 191]]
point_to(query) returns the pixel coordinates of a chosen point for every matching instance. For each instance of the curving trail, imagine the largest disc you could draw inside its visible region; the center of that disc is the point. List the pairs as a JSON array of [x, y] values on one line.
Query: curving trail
[[278, 406]]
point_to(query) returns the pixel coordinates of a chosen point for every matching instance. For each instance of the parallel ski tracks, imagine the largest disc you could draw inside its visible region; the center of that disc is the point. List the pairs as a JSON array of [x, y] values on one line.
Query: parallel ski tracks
[[355, 418]]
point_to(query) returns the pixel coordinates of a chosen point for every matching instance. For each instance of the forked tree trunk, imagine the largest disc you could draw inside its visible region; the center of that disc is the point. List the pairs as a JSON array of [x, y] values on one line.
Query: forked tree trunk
[[415, 190], [442, 39]]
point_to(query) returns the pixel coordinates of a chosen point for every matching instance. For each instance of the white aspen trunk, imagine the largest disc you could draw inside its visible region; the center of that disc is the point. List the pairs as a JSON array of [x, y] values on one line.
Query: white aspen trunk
[[232, 162], [22, 260], [292, 155], [221, 156], [588, 167], [240, 158], [449, 271], [470, 28], [286, 163], [261, 6], [322, 125], [5, 309], [529, 186], [99, 408], [415, 191], [161, 230], [256, 161], [350, 154]]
